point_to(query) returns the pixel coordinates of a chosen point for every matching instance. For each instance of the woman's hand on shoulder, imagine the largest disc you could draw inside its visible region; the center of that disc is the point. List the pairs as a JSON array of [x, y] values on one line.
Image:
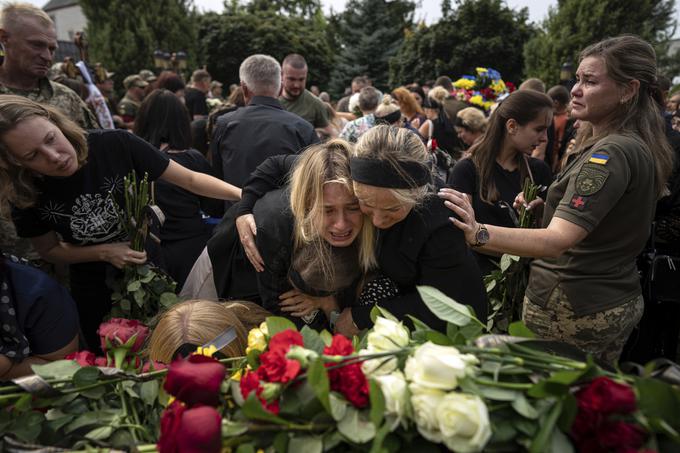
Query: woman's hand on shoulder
[[461, 204], [247, 230], [120, 254], [298, 304]]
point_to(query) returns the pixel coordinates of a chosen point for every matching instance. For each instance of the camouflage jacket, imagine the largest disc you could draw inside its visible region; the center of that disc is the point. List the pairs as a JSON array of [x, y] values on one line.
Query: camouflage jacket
[[61, 97], [127, 108]]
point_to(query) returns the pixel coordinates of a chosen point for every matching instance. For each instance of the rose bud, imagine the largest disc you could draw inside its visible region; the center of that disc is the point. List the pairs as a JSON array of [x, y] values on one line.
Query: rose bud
[[196, 380]]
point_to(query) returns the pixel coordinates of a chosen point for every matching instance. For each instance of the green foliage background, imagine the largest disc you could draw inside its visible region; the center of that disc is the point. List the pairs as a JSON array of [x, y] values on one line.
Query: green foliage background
[[378, 38]]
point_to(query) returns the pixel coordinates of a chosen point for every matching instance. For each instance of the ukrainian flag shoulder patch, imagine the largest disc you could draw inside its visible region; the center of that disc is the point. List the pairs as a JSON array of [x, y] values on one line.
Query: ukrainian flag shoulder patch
[[599, 158]]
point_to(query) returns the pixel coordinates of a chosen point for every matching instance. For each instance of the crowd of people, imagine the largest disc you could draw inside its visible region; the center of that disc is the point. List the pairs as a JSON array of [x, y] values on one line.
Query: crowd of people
[[284, 202]]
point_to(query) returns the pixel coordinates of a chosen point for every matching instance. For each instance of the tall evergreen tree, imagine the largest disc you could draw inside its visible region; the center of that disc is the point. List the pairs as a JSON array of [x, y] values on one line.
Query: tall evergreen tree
[[123, 35], [575, 24], [370, 32], [475, 33]]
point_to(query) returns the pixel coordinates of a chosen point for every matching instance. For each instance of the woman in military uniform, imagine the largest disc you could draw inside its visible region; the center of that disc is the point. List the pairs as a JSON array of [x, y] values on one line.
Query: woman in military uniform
[[585, 289]]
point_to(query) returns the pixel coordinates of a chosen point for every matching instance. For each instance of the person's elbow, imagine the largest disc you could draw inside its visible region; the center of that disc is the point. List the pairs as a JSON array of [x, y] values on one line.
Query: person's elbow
[[560, 236]]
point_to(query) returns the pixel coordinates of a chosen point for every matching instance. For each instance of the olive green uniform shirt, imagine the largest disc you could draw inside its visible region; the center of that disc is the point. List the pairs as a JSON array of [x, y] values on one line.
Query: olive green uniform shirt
[[61, 97], [609, 190], [308, 107]]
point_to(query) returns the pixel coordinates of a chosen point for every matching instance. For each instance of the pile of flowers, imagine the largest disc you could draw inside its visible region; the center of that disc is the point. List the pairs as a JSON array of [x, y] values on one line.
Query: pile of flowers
[[395, 388], [483, 89]]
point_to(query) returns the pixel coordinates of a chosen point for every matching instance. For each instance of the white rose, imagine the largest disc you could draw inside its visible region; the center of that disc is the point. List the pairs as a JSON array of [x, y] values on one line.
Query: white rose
[[395, 391], [424, 401], [463, 422], [438, 367], [374, 367], [387, 335]]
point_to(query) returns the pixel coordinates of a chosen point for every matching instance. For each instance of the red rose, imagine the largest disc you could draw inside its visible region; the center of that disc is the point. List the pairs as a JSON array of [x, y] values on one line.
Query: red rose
[[586, 423], [619, 435], [275, 367], [200, 431], [339, 346], [195, 380], [607, 396], [84, 358], [251, 382], [152, 365], [349, 380], [170, 423], [285, 339], [101, 361], [118, 331]]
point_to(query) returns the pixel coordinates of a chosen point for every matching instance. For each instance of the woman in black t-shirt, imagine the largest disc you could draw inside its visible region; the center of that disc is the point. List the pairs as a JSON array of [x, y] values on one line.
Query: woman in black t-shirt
[[499, 163], [164, 122], [63, 182]]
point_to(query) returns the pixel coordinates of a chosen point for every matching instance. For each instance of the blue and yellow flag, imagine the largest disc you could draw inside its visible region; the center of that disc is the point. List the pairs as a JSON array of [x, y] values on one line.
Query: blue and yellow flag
[[598, 158]]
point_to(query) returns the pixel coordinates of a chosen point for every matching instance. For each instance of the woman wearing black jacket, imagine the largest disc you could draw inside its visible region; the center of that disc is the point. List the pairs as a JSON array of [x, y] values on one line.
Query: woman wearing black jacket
[[416, 245]]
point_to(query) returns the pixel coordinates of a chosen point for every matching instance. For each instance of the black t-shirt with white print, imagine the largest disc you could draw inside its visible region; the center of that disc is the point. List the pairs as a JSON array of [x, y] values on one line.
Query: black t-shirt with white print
[[80, 207]]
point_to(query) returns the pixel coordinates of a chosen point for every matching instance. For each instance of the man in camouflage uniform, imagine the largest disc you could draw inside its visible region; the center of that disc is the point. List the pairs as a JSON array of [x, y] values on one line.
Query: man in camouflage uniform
[[129, 106], [29, 39]]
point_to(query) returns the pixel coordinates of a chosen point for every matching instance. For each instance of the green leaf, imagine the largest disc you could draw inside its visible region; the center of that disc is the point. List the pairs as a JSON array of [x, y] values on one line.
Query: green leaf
[[143, 270], [497, 394], [253, 358], [246, 448], [338, 406], [86, 376], [569, 410], [100, 433], [318, 380], [232, 429], [658, 399], [438, 338], [378, 440], [503, 431], [311, 444], [276, 324], [27, 425], [252, 408], [326, 337], [134, 286], [560, 443], [356, 427], [60, 369], [507, 260], [140, 297], [23, 403], [490, 286], [115, 296], [102, 417], [374, 313], [518, 329], [168, 299], [312, 339], [545, 388], [524, 408], [149, 391], [377, 398], [540, 442], [445, 307], [419, 325], [386, 314], [280, 442], [471, 331]]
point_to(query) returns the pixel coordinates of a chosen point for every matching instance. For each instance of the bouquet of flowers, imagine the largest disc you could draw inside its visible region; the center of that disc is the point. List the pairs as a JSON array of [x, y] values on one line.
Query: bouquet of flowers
[[143, 290], [483, 89], [394, 389]]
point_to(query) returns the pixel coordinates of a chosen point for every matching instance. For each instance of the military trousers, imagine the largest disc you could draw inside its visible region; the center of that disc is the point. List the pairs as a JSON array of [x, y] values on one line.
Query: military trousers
[[602, 334]]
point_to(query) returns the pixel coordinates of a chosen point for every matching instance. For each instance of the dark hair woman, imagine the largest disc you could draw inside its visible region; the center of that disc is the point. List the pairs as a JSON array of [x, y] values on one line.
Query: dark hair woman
[[585, 288], [500, 161], [163, 121]]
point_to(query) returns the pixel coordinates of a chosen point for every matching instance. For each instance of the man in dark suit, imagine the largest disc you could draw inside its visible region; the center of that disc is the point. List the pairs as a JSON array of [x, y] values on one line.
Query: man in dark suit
[[244, 138]]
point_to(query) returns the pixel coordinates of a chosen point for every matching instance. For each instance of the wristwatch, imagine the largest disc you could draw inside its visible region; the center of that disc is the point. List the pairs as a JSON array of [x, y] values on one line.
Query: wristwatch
[[482, 236]]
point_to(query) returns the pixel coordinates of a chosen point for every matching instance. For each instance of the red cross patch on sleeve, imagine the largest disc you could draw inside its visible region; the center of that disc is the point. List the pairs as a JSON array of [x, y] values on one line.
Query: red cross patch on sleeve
[[578, 202]]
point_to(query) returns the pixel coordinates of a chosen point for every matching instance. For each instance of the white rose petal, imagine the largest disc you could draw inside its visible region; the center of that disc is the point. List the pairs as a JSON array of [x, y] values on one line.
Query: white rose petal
[[387, 335], [395, 391], [438, 367], [463, 422], [424, 402]]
